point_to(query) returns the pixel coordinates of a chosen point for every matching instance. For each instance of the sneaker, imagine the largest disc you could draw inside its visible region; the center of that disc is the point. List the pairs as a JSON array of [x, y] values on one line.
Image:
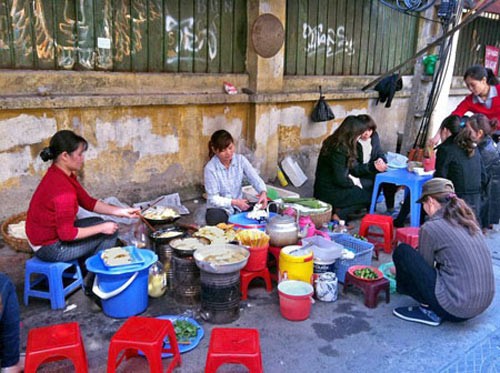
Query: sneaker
[[417, 314]]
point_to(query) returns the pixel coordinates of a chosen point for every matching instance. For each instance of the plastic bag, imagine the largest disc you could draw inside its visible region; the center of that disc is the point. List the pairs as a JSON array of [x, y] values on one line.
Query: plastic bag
[[322, 111]]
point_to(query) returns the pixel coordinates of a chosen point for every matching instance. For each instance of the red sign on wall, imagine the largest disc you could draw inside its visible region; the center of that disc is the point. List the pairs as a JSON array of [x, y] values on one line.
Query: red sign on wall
[[491, 58]]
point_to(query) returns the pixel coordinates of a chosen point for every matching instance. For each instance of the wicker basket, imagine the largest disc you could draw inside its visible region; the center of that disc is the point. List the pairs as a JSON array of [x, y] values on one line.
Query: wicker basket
[[17, 244], [320, 218]]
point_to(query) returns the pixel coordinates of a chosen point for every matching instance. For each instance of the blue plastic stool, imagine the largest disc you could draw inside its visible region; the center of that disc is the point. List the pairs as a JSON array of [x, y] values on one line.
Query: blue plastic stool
[[55, 273], [412, 181]]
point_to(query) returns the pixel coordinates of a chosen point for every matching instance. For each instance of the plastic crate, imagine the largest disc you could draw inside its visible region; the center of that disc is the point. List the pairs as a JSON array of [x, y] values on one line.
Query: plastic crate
[[363, 251]]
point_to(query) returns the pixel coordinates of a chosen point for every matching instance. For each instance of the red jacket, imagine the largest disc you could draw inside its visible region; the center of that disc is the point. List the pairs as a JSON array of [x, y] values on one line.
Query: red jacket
[[53, 208], [468, 104]]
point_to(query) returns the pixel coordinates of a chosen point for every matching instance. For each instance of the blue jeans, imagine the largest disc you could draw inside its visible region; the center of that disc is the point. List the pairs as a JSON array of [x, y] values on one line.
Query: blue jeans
[[9, 323], [63, 251], [416, 278]]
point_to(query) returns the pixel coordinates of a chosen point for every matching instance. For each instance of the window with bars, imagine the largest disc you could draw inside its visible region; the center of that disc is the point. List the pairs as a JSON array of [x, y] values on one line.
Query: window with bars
[[195, 36]]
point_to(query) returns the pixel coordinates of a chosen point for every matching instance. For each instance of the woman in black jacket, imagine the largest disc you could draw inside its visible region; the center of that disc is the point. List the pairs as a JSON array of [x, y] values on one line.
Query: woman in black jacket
[[459, 162], [337, 165], [490, 199], [370, 150]]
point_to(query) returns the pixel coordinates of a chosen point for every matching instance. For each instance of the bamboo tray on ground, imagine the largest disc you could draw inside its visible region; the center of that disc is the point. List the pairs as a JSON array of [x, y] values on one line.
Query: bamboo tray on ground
[[17, 244]]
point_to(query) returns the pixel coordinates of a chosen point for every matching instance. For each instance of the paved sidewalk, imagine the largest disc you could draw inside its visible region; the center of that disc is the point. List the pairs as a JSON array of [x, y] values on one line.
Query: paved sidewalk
[[343, 336]]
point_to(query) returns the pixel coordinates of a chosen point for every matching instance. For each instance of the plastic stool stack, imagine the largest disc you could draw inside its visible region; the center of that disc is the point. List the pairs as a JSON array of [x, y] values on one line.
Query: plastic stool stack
[[54, 273], [145, 334], [247, 276], [385, 223], [370, 289], [408, 235], [234, 346], [53, 343]]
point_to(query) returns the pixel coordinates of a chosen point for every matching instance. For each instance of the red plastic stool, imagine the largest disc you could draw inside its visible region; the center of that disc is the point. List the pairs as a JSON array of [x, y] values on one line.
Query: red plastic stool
[[53, 343], [234, 346], [275, 252], [247, 276], [369, 288], [385, 223], [145, 334], [408, 235]]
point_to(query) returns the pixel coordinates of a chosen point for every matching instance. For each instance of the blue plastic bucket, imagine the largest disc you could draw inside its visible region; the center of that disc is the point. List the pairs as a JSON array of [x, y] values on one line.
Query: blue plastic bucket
[[123, 293]]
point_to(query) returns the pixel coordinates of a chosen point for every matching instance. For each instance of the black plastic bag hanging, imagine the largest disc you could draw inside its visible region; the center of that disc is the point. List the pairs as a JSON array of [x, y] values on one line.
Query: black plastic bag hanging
[[322, 111]]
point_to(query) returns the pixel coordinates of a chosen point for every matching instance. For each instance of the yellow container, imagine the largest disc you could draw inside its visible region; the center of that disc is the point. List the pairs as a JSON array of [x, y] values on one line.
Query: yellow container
[[296, 267]]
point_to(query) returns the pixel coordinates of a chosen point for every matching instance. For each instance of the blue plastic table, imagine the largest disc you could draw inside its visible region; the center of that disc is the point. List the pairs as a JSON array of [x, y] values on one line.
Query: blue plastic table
[[409, 179]]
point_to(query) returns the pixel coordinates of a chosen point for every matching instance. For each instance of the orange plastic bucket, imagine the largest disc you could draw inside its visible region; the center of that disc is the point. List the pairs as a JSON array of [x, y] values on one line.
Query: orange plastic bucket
[[295, 299], [257, 260]]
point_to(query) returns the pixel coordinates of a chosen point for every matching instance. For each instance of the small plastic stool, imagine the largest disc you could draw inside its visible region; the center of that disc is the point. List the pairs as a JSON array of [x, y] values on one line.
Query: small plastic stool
[[369, 288], [408, 235], [385, 223], [54, 273], [145, 334], [53, 343], [234, 346], [275, 252], [247, 276]]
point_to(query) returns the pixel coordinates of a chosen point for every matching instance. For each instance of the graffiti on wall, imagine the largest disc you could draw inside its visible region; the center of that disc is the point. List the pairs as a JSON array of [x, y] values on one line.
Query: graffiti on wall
[[320, 38], [183, 36]]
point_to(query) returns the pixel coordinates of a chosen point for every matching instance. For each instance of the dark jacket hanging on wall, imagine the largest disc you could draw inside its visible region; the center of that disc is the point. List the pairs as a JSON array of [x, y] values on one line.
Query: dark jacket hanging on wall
[[387, 88]]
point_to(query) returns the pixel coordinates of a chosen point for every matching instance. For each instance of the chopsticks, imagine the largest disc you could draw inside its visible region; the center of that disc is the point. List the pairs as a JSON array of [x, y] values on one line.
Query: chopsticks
[[152, 204], [153, 229]]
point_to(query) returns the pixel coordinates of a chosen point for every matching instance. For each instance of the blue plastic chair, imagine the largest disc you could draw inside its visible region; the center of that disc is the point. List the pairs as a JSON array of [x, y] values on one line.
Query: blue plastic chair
[[54, 273], [412, 181]]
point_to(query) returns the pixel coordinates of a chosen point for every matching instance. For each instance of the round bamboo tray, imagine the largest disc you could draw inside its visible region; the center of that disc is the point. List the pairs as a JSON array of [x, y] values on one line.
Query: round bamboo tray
[[17, 244]]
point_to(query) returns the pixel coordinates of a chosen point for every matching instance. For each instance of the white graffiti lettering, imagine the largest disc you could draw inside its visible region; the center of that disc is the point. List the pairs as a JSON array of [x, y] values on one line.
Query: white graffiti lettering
[[182, 37], [334, 41]]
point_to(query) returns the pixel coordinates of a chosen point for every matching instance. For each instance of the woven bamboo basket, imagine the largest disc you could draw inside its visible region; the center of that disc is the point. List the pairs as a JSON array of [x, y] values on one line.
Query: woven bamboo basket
[[17, 244], [320, 218]]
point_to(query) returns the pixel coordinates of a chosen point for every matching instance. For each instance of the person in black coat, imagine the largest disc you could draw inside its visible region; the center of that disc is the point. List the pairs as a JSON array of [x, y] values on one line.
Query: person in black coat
[[338, 167], [370, 150], [490, 199], [459, 162]]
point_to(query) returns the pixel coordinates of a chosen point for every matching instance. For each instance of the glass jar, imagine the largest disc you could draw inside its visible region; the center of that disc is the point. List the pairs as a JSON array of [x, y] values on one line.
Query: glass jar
[[157, 280]]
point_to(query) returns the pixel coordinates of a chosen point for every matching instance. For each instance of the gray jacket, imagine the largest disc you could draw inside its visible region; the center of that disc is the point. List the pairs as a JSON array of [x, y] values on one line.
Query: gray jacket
[[465, 283]]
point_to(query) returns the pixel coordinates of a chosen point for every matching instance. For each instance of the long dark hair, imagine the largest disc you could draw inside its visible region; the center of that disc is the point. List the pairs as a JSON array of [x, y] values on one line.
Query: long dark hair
[[369, 122], [457, 212], [481, 122], [345, 138], [467, 140], [62, 141], [478, 72], [452, 124], [219, 141]]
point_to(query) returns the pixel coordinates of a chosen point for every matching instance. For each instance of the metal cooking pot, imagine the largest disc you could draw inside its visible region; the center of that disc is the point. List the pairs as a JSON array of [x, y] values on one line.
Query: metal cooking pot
[[201, 254], [283, 231]]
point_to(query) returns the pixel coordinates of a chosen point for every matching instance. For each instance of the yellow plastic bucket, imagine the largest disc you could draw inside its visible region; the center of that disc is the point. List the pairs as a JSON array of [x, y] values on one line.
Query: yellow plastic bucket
[[295, 265]]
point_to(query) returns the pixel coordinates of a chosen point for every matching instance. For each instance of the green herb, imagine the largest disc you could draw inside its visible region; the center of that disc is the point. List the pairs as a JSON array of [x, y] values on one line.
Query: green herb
[[366, 273], [185, 330]]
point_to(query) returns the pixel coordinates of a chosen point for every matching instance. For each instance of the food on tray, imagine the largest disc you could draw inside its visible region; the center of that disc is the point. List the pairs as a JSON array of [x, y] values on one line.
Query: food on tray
[[366, 273], [215, 234], [160, 213], [225, 226], [225, 256], [17, 230], [252, 238], [185, 330], [116, 256], [189, 244], [169, 234]]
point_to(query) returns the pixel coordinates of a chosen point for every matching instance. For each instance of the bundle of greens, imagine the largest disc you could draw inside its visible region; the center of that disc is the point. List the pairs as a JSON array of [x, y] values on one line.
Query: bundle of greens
[[184, 331]]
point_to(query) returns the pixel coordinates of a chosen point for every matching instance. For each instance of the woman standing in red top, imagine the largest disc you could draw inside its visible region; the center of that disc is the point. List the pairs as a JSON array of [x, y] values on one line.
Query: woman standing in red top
[[483, 99], [52, 227]]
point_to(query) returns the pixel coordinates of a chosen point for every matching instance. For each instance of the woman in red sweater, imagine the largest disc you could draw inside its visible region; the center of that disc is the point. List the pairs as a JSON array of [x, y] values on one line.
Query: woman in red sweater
[[483, 99], [53, 230]]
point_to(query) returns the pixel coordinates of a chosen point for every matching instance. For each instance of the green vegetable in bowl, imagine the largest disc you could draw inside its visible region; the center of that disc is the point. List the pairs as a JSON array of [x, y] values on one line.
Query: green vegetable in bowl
[[355, 235], [366, 273], [184, 330]]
